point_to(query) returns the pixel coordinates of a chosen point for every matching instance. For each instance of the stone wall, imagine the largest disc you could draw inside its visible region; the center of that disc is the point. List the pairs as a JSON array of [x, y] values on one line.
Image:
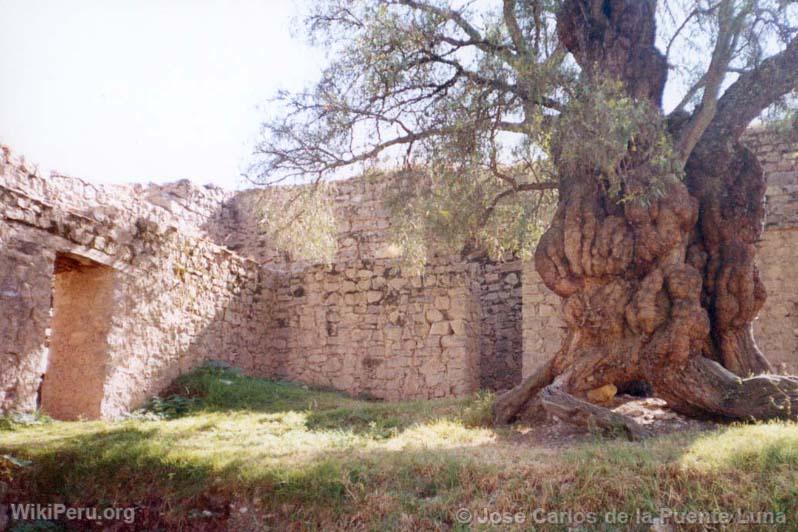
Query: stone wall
[[193, 279], [543, 325], [500, 326], [178, 299], [364, 327], [83, 306], [25, 289], [365, 244], [775, 329], [362, 224], [778, 154]]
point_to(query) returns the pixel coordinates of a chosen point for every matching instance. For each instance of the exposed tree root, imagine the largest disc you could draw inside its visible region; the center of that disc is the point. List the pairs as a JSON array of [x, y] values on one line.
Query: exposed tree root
[[558, 402], [702, 388], [705, 387], [511, 403], [573, 410]]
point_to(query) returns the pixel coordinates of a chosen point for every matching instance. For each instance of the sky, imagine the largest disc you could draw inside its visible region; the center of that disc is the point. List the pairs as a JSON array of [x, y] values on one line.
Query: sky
[[117, 91]]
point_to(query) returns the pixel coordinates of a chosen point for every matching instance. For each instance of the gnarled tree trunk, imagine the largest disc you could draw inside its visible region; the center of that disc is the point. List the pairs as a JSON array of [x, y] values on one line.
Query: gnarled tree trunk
[[663, 291]]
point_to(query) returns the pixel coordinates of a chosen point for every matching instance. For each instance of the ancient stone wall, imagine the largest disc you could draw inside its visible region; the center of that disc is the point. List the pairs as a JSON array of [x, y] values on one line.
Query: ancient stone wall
[[543, 325], [365, 244], [500, 326], [83, 306], [364, 327], [362, 224], [25, 290], [178, 299], [359, 325], [776, 328]]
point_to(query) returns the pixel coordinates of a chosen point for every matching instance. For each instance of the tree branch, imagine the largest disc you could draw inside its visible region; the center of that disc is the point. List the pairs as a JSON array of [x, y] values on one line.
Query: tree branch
[[457, 18], [523, 187], [513, 28], [729, 28], [478, 79], [508, 405], [616, 39], [754, 91]]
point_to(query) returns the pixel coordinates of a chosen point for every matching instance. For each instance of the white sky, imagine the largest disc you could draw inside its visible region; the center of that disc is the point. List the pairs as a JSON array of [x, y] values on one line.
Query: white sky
[[149, 90], [145, 90]]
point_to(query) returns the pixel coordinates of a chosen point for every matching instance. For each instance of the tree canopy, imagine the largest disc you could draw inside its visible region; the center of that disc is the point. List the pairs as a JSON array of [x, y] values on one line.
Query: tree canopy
[[494, 103]]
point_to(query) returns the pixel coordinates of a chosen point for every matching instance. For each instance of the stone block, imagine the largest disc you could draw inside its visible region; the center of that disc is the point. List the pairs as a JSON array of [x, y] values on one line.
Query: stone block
[[434, 315], [440, 328]]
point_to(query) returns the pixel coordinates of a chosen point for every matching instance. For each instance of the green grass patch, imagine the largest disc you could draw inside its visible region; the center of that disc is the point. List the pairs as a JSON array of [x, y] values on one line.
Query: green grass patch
[[225, 450]]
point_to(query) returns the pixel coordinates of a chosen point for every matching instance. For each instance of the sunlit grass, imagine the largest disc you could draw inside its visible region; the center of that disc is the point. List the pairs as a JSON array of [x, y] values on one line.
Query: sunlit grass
[[763, 446], [318, 459]]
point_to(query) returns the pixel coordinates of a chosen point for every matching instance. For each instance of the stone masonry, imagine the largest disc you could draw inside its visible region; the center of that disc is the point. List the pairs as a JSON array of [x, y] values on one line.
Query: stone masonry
[[364, 326], [177, 298], [776, 328], [107, 293]]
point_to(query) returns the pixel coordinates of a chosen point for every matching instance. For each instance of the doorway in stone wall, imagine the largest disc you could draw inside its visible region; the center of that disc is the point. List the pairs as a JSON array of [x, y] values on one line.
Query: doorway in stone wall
[[82, 307]]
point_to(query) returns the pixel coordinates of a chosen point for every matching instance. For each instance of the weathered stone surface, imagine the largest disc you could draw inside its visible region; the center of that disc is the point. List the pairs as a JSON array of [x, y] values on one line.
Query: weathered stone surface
[[177, 298]]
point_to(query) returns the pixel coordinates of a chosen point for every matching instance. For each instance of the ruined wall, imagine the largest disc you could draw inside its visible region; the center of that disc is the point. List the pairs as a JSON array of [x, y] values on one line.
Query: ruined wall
[[25, 270], [364, 327], [361, 325], [362, 224], [178, 299], [500, 326], [83, 305], [186, 302], [493, 358], [543, 325], [776, 327]]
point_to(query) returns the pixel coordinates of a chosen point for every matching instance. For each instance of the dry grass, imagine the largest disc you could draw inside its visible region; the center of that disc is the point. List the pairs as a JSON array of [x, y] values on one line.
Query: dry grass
[[253, 454]]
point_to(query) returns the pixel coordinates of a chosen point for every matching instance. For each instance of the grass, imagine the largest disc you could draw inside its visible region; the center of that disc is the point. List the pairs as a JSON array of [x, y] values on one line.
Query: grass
[[228, 451]]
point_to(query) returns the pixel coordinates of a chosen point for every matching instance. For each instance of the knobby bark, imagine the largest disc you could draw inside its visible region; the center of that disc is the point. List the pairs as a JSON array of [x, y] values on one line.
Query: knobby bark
[[663, 291]]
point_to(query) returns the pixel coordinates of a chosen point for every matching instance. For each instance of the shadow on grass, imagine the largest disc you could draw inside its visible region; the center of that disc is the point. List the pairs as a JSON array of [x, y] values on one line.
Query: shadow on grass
[[411, 471], [362, 421], [751, 468], [133, 467], [102, 466], [221, 391]]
